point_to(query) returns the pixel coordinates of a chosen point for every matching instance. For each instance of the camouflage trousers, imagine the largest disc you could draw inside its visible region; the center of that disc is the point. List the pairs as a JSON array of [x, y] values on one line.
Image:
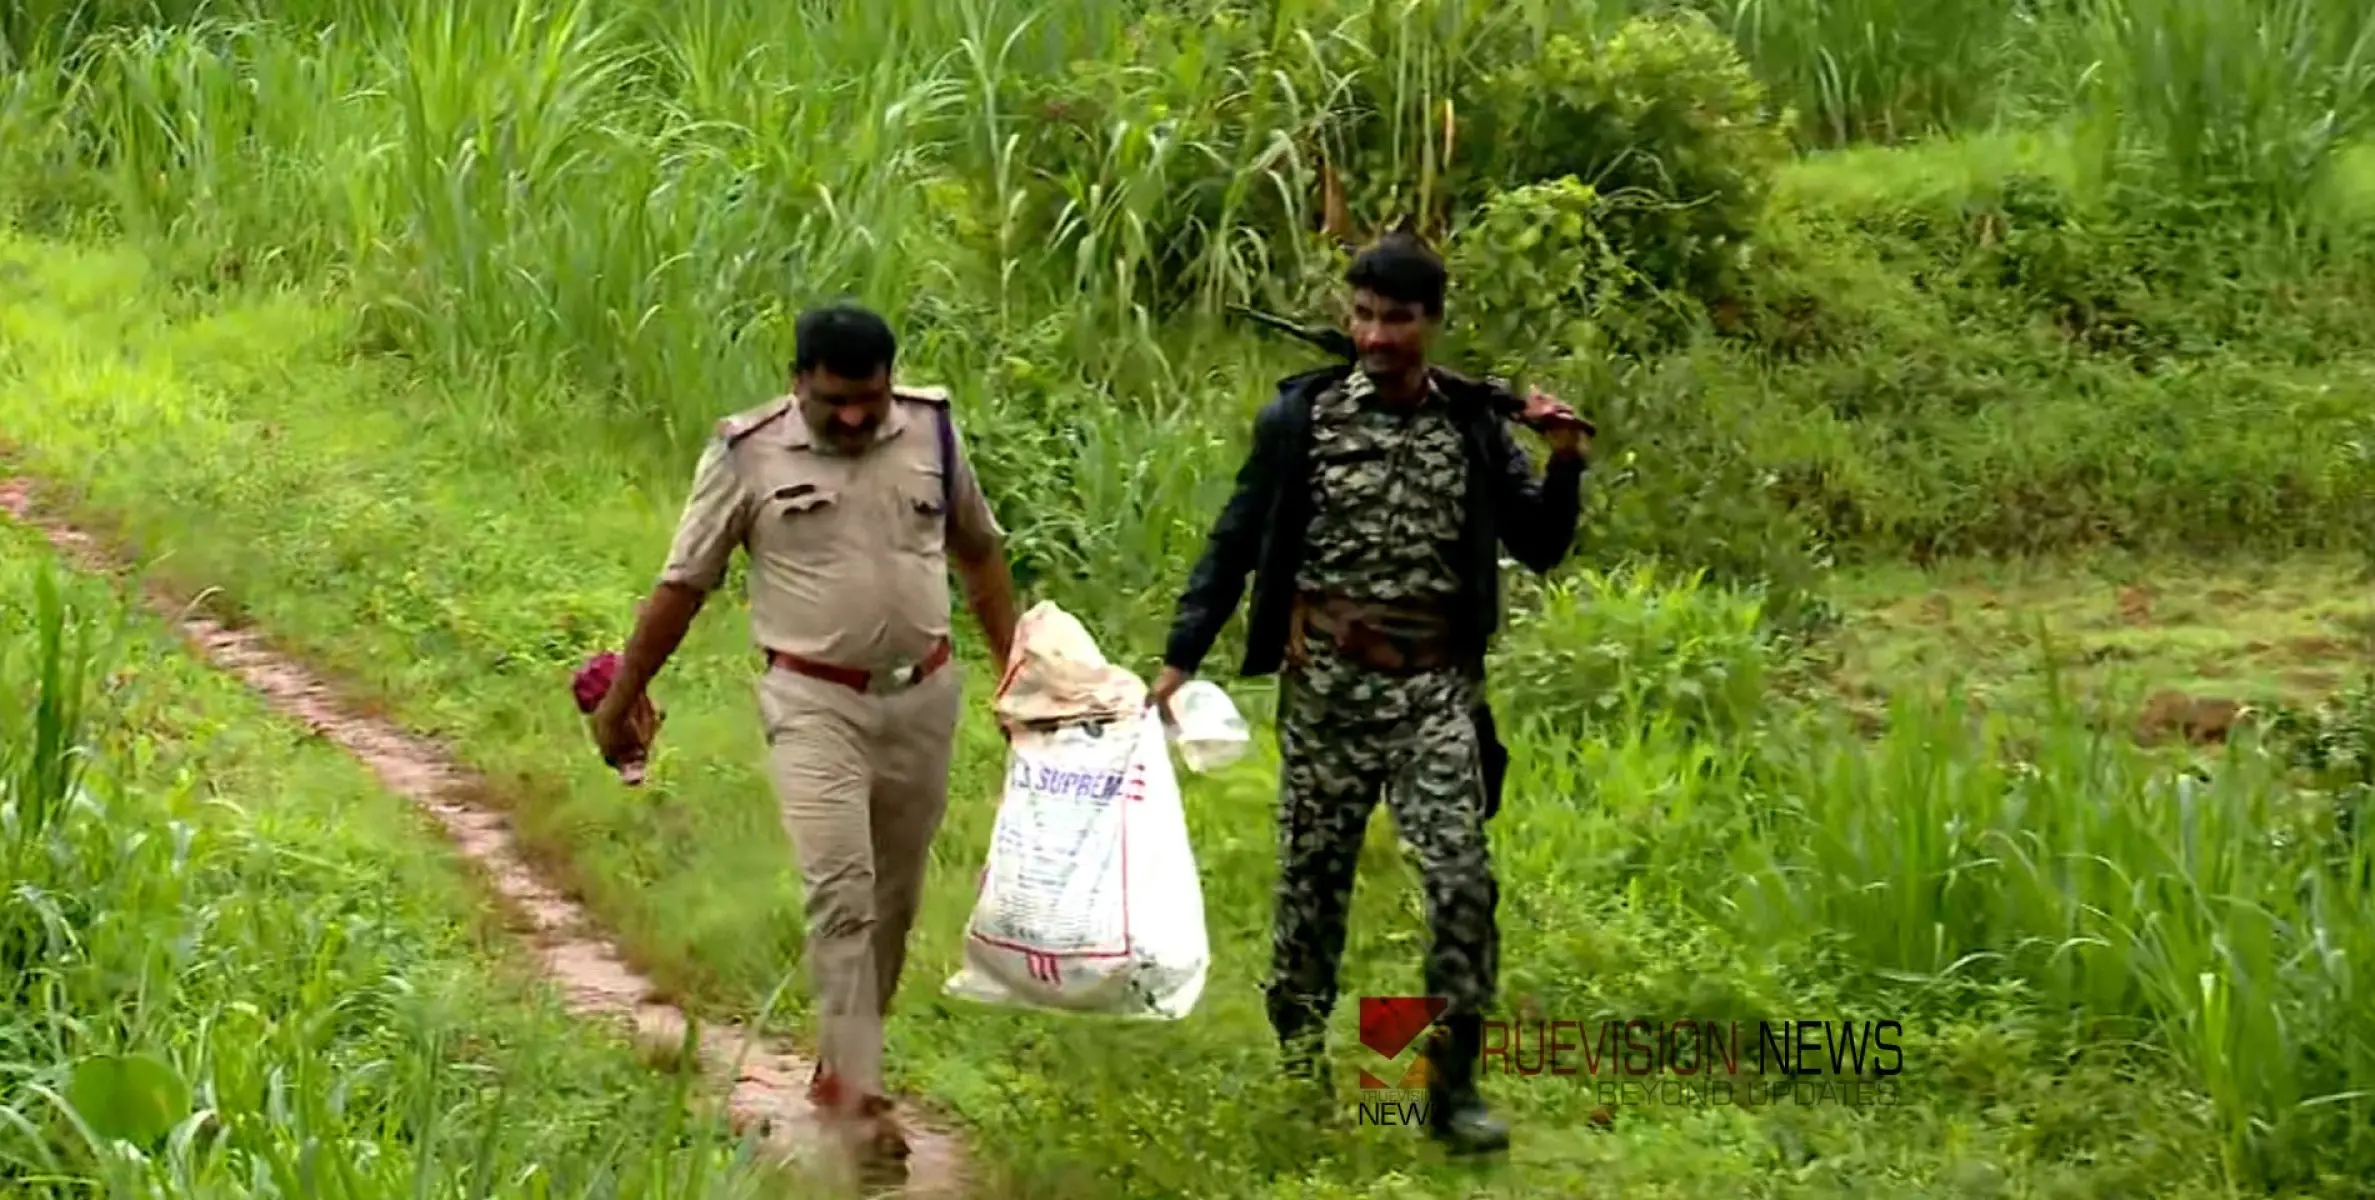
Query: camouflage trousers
[[1348, 736]]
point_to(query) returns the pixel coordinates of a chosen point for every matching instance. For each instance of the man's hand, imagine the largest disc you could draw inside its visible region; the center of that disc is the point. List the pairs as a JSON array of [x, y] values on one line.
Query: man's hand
[[624, 722], [617, 737], [1569, 435], [1167, 685]]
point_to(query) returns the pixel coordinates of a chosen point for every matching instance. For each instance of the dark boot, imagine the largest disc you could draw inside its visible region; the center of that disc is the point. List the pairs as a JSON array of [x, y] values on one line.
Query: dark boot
[[1456, 1112], [1302, 1050], [1302, 1030]]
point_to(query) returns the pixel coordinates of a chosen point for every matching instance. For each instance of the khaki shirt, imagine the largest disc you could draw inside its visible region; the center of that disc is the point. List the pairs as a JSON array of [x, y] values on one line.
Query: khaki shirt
[[847, 552]]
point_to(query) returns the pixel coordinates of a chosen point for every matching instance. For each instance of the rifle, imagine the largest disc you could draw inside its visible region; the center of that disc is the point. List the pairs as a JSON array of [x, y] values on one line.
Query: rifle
[[1339, 344], [1335, 341]]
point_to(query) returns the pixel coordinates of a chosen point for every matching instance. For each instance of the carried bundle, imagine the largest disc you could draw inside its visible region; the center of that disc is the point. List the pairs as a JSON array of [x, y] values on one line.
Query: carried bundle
[[1090, 901]]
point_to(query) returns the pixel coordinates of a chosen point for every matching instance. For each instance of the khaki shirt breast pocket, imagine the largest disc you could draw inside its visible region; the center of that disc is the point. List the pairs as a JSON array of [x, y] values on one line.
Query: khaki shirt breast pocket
[[801, 518], [919, 522]]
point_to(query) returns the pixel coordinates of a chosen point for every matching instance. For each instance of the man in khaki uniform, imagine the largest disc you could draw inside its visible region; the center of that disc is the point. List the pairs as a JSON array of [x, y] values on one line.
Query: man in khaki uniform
[[851, 497]]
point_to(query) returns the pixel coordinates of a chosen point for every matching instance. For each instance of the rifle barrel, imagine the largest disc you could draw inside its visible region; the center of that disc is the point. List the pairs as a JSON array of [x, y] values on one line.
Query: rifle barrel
[[1331, 340]]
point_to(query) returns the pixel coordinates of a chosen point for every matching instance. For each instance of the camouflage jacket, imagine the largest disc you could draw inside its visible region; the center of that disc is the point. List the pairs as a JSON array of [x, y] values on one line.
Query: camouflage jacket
[[1386, 497], [1261, 530]]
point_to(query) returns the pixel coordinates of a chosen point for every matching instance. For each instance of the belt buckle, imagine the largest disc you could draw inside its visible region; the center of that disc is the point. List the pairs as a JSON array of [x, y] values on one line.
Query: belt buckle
[[883, 681]]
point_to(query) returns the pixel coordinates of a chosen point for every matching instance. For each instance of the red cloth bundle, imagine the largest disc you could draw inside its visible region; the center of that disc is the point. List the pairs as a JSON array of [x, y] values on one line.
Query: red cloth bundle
[[591, 683]]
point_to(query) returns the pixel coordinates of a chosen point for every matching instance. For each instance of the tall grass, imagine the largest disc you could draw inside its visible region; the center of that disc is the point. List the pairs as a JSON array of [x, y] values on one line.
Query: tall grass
[[636, 195], [2218, 916], [628, 201], [2251, 101], [1881, 70], [599, 218], [196, 1003]]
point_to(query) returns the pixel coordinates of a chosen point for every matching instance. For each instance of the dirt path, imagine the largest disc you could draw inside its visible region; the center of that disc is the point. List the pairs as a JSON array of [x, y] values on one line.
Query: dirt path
[[766, 1083]]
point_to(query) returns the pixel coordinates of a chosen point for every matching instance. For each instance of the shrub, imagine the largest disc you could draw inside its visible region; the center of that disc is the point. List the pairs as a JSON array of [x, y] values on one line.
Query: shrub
[[1671, 128], [2332, 746], [1533, 279], [1635, 647], [1436, 111]]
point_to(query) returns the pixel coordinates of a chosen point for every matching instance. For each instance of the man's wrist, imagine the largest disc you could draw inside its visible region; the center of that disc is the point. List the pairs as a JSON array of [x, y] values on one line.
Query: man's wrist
[[613, 707], [1182, 653], [625, 689]]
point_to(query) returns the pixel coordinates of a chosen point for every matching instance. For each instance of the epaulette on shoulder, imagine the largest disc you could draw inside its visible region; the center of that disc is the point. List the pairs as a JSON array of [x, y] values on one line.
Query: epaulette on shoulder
[[749, 421], [935, 396]]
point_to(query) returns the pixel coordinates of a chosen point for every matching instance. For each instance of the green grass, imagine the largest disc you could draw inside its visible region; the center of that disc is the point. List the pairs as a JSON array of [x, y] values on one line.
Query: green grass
[[2112, 633], [400, 327], [455, 577], [236, 967]]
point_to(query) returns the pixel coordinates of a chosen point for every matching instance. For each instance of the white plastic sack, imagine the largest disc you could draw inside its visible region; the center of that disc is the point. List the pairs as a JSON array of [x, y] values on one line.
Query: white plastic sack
[[1210, 733], [1090, 900]]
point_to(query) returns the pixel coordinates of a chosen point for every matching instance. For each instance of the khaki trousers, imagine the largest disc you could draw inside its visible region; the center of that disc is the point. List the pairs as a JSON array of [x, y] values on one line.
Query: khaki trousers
[[862, 783]]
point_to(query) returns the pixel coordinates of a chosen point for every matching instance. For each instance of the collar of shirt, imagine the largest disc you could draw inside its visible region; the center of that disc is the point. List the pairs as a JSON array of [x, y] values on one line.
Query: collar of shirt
[[1361, 390]]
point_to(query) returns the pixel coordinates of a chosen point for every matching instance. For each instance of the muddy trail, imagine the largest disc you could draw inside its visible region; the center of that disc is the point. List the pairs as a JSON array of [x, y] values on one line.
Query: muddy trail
[[765, 1082]]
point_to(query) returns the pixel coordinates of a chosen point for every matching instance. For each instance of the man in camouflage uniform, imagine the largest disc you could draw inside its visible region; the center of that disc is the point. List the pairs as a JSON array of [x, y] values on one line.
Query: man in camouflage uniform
[[1368, 512]]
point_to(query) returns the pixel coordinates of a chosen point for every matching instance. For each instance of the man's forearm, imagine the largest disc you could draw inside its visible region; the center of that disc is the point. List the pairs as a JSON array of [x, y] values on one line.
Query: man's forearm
[[1217, 581], [989, 591], [659, 630]]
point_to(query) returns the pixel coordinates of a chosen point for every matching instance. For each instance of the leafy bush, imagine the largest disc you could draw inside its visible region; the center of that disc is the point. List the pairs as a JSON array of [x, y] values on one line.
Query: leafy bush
[[1533, 278], [1668, 124], [1433, 112], [2333, 746], [1635, 647]]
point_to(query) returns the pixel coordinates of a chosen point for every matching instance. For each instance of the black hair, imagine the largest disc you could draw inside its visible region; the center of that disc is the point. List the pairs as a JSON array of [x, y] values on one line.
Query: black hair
[[847, 340], [1400, 267]]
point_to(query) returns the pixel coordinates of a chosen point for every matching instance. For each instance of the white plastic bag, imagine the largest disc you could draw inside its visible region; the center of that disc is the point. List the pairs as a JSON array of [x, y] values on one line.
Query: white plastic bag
[[1210, 733], [1090, 900]]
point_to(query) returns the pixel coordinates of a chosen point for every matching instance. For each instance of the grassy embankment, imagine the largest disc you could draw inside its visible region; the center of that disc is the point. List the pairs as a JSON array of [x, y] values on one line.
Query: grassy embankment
[[231, 965], [519, 276]]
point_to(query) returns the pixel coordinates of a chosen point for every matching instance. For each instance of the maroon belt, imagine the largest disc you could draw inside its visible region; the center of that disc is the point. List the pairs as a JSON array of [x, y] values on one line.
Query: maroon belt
[[858, 679]]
